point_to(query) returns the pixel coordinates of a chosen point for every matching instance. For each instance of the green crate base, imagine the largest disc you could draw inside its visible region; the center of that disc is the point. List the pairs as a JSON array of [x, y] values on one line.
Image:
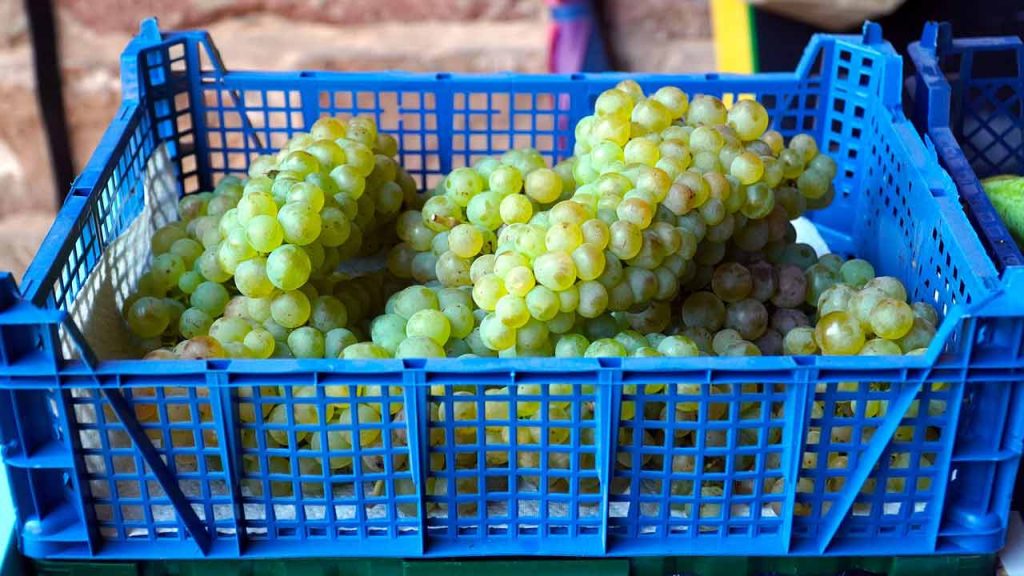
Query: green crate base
[[685, 566]]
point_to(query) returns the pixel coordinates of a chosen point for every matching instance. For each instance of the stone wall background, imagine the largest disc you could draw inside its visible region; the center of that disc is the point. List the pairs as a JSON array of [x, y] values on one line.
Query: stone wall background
[[452, 35]]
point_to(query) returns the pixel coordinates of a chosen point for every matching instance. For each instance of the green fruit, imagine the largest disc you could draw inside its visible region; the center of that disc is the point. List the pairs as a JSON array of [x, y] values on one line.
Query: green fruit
[[1007, 195]]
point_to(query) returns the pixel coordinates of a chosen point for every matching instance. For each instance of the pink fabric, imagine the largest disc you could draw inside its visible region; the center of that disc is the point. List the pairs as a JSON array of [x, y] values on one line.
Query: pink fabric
[[568, 37]]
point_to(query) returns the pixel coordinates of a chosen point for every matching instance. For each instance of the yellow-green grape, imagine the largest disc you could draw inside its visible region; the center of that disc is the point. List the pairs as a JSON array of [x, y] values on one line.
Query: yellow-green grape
[[388, 331], [758, 201], [515, 208], [251, 278], [593, 299], [441, 213], [337, 441], [258, 204], [337, 340], [335, 228], [723, 339], [532, 339], [891, 286], [259, 343], [451, 270], [749, 119], [615, 103], [413, 299], [328, 313], [348, 180], [835, 298], [166, 236], [614, 129], [706, 139], [706, 110], [554, 270], [288, 267], [505, 180], [543, 303], [229, 330], [194, 322], [487, 291], [495, 334], [678, 346], [431, 324], [258, 309], [891, 319], [862, 303], [210, 297], [880, 347], [484, 210], [512, 311], [839, 333], [926, 312], [148, 317], [563, 236], [462, 184], [589, 261], [805, 145], [674, 100], [747, 167], [290, 309], [465, 240], [264, 233], [813, 184], [571, 346], [543, 185], [519, 280], [460, 318], [605, 348], [919, 336], [856, 272], [300, 223], [626, 240], [237, 307], [419, 347], [306, 342], [364, 350], [506, 261], [596, 233]]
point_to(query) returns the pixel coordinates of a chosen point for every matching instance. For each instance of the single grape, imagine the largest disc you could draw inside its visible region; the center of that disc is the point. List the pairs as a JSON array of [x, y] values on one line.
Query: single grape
[[891, 319], [290, 309], [856, 272], [839, 333], [571, 346], [800, 341], [288, 267], [703, 310], [210, 297], [465, 240], [835, 298], [419, 347], [336, 341], [462, 184], [749, 119], [678, 346], [891, 286], [460, 317], [926, 312], [306, 342], [862, 303], [364, 350], [819, 279], [487, 291], [431, 324], [880, 347], [495, 334], [723, 339], [748, 317], [555, 270], [732, 282], [388, 331], [328, 313], [413, 299], [605, 348], [228, 330], [251, 278], [543, 303], [920, 336], [194, 322]]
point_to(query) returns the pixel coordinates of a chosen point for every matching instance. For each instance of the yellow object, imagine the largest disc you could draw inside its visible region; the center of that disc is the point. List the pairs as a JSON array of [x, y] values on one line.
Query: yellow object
[[734, 36]]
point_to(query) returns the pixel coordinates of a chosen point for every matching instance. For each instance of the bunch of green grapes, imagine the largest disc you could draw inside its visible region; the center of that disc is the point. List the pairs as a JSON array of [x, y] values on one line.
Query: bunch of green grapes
[[253, 264]]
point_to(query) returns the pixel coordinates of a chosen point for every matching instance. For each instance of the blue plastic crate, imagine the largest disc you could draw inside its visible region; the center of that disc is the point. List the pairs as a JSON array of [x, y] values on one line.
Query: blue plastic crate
[[124, 459], [968, 99]]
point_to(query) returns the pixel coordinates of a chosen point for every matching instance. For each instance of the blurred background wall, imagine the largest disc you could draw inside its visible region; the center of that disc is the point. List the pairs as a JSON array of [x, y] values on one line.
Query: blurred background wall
[[451, 35]]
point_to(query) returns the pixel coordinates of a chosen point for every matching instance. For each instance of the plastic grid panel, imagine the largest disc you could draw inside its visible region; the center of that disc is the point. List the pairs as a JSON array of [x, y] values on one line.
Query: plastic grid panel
[[127, 499], [701, 459], [468, 526], [108, 213], [243, 123], [900, 497], [488, 122], [968, 100], [366, 493], [408, 115], [515, 459]]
